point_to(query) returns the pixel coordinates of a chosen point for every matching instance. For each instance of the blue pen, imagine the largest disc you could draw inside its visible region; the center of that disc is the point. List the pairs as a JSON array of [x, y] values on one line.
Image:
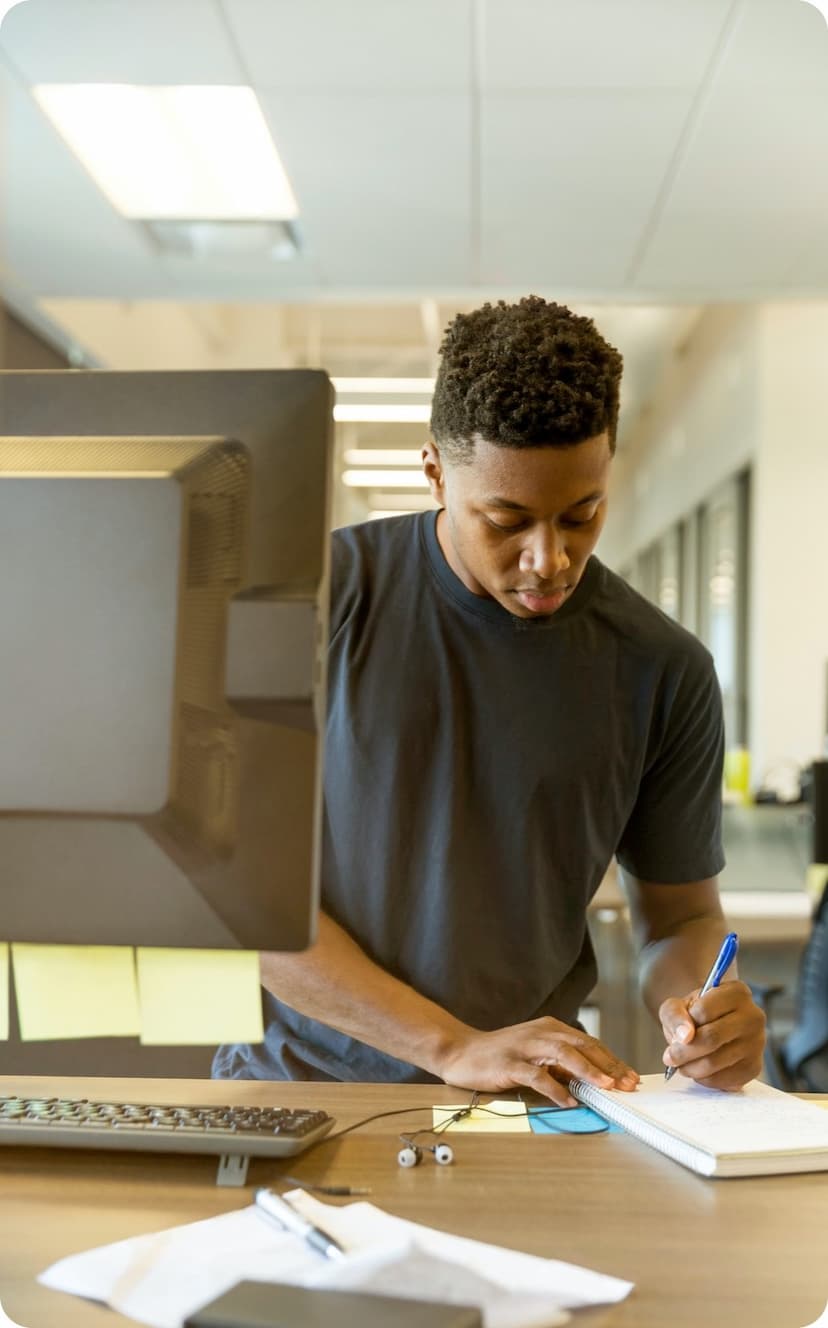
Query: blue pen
[[721, 964]]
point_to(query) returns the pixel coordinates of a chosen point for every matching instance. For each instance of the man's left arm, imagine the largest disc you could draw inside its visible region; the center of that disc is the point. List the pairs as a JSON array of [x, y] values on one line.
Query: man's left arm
[[719, 1040]]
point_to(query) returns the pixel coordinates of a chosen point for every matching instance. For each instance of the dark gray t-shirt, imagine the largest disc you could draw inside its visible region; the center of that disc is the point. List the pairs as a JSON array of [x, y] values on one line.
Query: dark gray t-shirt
[[481, 770]]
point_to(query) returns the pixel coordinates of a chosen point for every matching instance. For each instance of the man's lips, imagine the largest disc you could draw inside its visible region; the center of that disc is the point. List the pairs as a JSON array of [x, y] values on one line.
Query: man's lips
[[541, 603], [540, 592]]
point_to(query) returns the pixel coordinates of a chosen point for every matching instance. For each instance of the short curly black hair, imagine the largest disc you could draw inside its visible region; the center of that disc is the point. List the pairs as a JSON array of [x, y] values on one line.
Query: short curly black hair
[[531, 374]]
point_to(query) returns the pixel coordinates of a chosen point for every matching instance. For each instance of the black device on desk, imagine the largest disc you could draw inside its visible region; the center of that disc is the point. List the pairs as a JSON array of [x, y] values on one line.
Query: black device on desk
[[162, 679]]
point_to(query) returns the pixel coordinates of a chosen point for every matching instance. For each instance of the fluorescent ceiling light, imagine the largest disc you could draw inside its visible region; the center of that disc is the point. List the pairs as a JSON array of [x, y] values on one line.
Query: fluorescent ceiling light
[[378, 456], [345, 413], [423, 386], [406, 502], [376, 515], [380, 479], [225, 239], [185, 153]]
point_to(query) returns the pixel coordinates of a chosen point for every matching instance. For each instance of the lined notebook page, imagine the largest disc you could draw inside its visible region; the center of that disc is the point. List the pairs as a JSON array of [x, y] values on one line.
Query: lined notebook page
[[758, 1121]]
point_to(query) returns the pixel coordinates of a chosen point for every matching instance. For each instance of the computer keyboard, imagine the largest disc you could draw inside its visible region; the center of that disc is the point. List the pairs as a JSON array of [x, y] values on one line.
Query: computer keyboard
[[231, 1132]]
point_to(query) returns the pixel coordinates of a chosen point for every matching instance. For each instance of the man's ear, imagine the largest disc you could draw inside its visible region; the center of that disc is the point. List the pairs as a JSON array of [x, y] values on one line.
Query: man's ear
[[433, 471]]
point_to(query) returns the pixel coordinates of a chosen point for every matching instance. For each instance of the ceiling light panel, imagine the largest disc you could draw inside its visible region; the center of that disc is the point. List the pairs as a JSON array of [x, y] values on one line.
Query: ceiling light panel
[[380, 456], [185, 153], [406, 502], [362, 386], [368, 413], [384, 479]]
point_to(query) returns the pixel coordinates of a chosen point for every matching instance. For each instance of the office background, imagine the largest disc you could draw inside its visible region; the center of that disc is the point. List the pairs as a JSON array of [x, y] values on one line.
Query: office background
[[660, 167]]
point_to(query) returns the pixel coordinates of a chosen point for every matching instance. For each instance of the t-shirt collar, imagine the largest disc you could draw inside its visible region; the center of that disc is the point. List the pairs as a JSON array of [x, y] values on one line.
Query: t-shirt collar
[[490, 609]]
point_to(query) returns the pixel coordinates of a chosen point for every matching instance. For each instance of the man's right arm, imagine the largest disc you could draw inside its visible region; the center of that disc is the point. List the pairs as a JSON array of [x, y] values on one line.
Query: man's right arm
[[336, 983]]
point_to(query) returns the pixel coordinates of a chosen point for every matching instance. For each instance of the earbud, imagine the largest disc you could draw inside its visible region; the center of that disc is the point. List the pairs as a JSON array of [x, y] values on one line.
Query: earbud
[[411, 1155], [443, 1154]]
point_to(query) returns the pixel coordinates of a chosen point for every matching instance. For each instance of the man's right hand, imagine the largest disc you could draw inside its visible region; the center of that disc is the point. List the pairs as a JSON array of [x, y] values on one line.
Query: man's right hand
[[335, 981], [543, 1054]]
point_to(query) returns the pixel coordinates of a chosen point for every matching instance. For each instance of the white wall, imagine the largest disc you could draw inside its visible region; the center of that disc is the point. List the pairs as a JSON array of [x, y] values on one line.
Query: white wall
[[701, 428], [751, 387], [789, 566]]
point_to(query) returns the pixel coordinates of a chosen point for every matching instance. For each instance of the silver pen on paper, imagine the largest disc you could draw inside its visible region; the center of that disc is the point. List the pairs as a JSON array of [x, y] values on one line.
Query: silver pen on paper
[[275, 1206]]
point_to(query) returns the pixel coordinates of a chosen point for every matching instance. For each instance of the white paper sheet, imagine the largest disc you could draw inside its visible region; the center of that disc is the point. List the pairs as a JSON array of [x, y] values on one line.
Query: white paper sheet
[[160, 1279]]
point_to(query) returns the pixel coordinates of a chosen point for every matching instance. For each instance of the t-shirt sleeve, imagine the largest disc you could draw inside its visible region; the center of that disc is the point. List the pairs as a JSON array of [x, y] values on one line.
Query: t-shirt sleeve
[[345, 580], [674, 833]]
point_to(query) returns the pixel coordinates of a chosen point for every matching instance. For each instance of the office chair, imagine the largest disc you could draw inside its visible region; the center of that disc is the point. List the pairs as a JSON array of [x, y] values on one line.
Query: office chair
[[799, 1061]]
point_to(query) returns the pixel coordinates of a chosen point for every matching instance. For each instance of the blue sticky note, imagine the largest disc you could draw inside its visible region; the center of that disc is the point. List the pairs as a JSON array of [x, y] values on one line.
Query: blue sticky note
[[570, 1120]]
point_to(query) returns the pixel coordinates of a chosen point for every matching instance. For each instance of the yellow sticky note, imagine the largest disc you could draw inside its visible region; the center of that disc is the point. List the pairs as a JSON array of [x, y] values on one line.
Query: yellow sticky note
[[74, 991], [199, 997], [497, 1117], [4, 991], [816, 879]]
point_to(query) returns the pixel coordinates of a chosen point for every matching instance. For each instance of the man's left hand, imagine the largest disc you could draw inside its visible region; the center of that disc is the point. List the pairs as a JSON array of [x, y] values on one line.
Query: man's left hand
[[718, 1041]]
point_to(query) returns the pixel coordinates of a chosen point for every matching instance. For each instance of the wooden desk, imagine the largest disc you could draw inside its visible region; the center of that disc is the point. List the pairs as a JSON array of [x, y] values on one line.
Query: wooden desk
[[699, 1251]]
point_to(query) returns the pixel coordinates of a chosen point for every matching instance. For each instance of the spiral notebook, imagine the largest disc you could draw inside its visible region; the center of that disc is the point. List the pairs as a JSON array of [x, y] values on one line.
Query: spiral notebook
[[758, 1131]]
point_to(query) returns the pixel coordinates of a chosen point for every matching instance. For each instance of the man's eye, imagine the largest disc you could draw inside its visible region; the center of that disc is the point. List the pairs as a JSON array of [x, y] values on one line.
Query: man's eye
[[570, 521], [499, 525]]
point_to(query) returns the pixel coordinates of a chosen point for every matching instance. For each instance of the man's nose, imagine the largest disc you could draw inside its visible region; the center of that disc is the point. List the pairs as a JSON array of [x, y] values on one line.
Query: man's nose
[[545, 554]]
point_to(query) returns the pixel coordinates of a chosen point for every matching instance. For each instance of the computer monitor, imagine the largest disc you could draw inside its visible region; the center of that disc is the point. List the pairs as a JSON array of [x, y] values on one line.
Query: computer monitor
[[163, 604]]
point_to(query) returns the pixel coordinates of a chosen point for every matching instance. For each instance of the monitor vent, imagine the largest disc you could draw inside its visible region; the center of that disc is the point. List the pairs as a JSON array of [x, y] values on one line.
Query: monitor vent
[[205, 780], [214, 538], [105, 457], [207, 786]]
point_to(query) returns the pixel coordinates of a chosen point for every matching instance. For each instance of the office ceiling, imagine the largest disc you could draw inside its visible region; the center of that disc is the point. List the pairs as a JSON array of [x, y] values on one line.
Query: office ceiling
[[635, 158], [621, 150]]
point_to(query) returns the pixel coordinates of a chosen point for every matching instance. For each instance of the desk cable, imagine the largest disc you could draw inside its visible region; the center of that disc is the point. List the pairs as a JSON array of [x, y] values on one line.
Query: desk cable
[[346, 1191]]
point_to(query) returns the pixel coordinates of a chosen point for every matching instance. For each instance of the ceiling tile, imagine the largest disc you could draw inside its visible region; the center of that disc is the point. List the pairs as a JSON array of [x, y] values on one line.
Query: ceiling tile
[[808, 271], [120, 41], [536, 44], [568, 181], [751, 195], [57, 231], [359, 46], [383, 197], [251, 279]]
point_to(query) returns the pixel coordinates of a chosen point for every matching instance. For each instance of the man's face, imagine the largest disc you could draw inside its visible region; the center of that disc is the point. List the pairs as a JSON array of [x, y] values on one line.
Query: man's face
[[520, 523]]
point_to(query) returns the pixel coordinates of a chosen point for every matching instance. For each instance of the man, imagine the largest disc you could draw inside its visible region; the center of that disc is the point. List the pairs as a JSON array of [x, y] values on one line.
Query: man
[[505, 716]]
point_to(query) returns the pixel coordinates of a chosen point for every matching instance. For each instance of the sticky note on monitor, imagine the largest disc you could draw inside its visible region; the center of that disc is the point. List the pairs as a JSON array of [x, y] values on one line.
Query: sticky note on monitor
[[199, 997], [74, 991], [4, 991], [816, 879]]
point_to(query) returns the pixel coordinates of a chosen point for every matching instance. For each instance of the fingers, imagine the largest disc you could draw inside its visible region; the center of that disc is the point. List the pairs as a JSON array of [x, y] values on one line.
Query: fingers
[[727, 1068], [727, 1047], [538, 1078], [543, 1054], [576, 1055], [676, 1023], [730, 997]]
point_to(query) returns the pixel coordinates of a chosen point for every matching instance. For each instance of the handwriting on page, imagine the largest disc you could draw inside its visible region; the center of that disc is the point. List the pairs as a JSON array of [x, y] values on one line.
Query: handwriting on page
[[752, 1120]]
